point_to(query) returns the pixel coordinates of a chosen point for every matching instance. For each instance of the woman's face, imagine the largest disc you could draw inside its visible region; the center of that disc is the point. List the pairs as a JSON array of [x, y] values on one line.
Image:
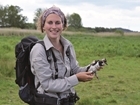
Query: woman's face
[[53, 26]]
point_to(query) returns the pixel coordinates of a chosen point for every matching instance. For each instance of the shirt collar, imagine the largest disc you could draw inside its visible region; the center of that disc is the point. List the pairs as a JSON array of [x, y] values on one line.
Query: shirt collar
[[49, 45]]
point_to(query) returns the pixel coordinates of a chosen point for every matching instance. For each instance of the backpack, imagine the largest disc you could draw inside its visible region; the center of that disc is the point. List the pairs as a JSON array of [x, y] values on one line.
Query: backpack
[[24, 77]]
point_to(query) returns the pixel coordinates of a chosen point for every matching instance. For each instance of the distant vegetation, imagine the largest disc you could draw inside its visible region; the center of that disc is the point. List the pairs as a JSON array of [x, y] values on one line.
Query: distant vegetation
[[10, 16], [22, 32]]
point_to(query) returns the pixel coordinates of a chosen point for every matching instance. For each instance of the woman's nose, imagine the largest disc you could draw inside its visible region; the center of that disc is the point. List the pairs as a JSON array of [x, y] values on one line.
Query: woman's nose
[[53, 25]]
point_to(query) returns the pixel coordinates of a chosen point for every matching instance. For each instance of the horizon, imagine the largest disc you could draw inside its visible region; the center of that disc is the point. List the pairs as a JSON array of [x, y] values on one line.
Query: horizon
[[107, 14]]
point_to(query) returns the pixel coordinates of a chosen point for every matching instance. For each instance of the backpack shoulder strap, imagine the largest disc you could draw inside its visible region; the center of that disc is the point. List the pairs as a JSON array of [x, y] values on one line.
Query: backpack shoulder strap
[[47, 52], [48, 57], [68, 52], [68, 55]]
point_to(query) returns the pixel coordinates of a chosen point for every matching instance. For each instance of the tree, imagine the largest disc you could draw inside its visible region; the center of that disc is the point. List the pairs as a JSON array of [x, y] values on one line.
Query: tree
[[10, 17], [15, 19], [68, 18], [38, 12], [74, 20], [3, 16], [118, 31]]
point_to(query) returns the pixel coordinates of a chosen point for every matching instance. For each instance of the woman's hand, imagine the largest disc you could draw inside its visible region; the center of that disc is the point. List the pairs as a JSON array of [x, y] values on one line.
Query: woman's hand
[[84, 76]]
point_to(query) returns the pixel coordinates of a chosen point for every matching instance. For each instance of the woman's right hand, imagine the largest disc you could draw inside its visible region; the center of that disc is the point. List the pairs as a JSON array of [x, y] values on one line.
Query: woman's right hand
[[85, 76]]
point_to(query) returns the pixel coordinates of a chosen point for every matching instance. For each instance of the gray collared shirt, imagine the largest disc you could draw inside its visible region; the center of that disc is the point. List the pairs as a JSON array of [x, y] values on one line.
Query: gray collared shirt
[[44, 71]]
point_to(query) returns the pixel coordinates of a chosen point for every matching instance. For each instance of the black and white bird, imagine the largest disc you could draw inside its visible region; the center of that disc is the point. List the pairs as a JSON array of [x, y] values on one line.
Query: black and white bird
[[96, 65]]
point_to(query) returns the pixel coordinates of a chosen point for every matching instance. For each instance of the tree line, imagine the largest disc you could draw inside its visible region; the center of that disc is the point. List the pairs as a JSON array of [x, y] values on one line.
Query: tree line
[[10, 16]]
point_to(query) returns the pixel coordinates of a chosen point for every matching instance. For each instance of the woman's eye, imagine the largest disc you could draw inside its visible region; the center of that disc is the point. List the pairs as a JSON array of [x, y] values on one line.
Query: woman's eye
[[58, 22], [50, 22]]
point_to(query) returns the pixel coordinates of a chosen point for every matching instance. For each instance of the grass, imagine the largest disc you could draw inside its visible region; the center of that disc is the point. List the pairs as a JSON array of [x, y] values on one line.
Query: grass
[[9, 92], [118, 82]]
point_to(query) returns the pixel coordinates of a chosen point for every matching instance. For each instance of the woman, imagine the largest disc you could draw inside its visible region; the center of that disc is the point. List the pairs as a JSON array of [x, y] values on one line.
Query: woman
[[51, 90]]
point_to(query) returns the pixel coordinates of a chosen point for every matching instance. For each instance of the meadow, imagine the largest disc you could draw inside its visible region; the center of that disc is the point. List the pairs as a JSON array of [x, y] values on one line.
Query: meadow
[[119, 81]]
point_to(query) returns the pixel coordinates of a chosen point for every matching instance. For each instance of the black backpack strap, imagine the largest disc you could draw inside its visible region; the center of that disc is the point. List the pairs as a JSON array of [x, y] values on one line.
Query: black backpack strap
[[47, 52], [68, 52], [55, 65], [68, 55], [49, 59]]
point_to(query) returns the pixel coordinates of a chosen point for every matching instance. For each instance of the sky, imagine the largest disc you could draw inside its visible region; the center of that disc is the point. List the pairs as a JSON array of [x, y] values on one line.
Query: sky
[[94, 13]]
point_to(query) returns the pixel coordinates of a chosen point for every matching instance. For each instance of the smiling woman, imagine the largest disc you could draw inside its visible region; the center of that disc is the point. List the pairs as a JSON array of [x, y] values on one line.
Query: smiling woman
[[55, 80]]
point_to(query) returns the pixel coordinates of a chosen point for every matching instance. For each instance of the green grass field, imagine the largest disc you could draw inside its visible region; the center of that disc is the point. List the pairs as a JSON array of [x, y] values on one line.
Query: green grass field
[[118, 82]]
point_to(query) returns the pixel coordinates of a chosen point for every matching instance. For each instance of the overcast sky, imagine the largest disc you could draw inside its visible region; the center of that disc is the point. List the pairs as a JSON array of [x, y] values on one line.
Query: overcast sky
[[94, 13]]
